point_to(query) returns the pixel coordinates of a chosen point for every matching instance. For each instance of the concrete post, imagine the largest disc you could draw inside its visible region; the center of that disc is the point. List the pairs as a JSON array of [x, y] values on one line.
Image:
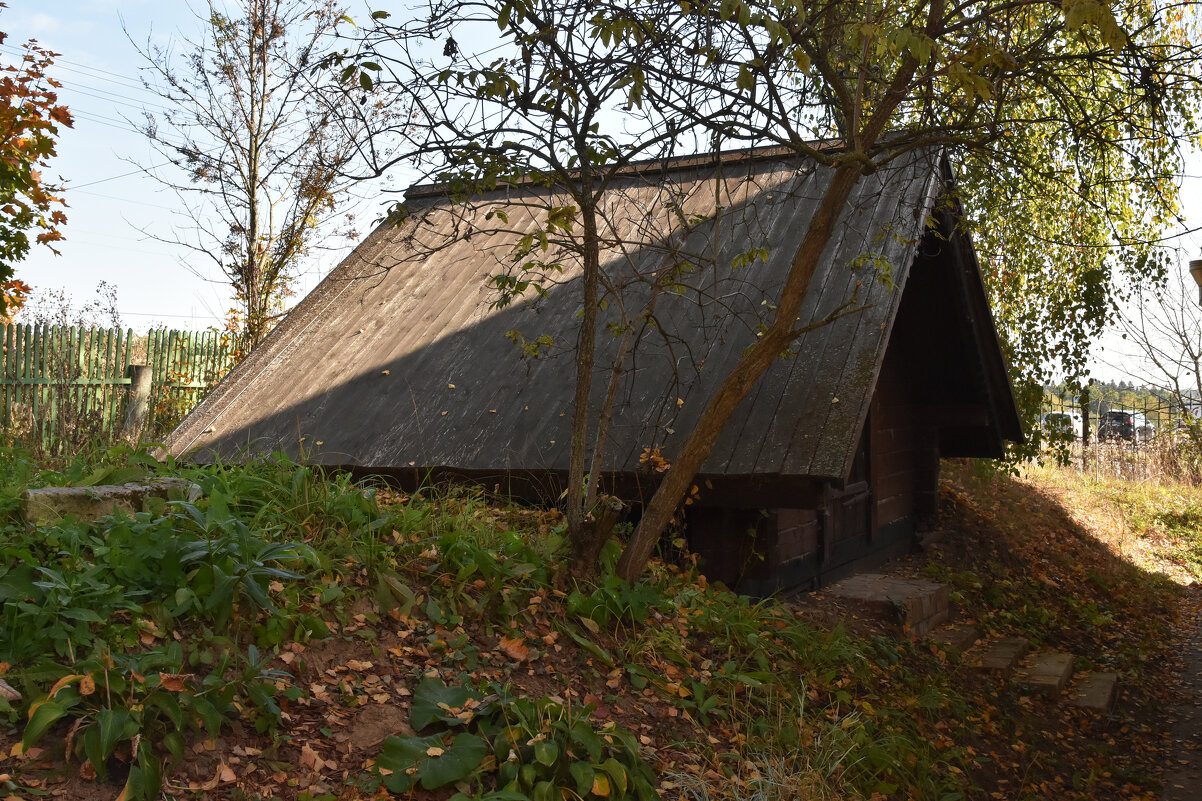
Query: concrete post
[[137, 401]]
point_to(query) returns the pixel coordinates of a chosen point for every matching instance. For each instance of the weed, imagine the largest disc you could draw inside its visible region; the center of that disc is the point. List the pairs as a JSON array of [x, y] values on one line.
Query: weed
[[539, 749]]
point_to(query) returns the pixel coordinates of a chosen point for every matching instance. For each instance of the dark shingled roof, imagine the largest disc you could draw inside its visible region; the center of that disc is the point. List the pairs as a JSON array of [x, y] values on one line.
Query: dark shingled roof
[[398, 358]]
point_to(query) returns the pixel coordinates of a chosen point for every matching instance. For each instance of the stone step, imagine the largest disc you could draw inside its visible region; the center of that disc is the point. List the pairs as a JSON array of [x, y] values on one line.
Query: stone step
[[956, 638], [1096, 690], [1048, 673], [918, 605], [999, 656]]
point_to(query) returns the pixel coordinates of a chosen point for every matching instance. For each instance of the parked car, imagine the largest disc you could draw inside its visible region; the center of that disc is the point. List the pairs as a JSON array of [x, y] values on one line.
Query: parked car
[[1122, 424], [1064, 424]]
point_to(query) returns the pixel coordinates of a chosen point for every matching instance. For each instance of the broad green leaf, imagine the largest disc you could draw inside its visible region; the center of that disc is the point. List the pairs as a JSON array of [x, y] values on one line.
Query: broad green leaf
[[546, 752], [401, 756], [42, 715], [434, 701], [584, 774], [544, 791], [617, 774], [453, 764]]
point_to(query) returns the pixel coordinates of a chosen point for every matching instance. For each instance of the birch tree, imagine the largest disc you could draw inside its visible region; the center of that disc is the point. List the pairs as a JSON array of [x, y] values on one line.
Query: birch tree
[[261, 142]]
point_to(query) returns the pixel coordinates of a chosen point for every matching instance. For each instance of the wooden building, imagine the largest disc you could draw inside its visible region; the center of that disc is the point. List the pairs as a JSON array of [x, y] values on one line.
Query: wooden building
[[402, 362]]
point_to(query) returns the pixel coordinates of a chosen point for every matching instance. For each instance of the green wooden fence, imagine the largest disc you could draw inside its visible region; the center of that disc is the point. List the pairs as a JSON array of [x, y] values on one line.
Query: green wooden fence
[[63, 384]]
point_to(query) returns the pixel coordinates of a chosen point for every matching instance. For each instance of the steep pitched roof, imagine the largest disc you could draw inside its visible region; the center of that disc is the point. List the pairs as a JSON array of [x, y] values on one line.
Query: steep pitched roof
[[399, 358]]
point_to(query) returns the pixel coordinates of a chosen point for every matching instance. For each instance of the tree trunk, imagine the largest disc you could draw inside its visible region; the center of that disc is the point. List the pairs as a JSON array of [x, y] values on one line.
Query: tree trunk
[[742, 378], [582, 535]]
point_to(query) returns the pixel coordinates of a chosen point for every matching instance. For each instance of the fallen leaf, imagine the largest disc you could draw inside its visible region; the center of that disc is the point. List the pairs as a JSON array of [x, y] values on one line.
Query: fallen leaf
[[174, 682], [310, 759], [514, 648]]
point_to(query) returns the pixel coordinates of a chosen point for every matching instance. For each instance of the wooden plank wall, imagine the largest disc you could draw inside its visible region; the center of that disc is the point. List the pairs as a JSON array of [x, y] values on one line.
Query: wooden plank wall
[[58, 382]]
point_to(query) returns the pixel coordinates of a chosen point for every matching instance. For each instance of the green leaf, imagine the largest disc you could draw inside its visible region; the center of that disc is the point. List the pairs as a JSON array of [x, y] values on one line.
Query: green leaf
[[94, 750], [584, 774], [583, 734], [41, 717], [616, 773], [546, 752], [428, 760], [401, 756], [544, 791], [115, 726], [433, 701], [86, 615], [454, 764]]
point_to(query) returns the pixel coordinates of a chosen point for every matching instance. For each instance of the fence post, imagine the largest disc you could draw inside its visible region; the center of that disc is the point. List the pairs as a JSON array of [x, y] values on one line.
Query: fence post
[[1085, 417], [137, 401]]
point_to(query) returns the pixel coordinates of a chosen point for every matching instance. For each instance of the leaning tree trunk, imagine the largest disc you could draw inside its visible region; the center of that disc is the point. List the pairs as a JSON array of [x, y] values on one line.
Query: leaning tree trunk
[[755, 362]]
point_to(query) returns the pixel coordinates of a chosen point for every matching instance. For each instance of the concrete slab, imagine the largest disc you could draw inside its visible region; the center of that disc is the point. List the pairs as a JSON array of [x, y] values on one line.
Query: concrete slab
[[1049, 672], [1097, 690], [956, 638], [999, 656], [48, 505], [917, 604]]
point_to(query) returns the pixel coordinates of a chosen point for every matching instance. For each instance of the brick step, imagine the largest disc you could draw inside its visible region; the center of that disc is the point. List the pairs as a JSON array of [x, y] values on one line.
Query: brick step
[[956, 638], [998, 656], [919, 606], [1096, 690], [1048, 672]]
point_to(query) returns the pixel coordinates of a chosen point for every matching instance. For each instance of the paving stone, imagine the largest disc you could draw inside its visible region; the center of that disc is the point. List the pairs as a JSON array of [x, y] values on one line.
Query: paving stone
[[1096, 690], [918, 604], [1049, 672], [959, 638], [1001, 655], [50, 504]]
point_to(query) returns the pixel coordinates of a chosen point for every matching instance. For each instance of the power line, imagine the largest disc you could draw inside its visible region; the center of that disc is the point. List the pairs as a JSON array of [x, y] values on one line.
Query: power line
[[100, 94], [59, 61], [182, 316], [77, 187], [121, 199], [100, 120]]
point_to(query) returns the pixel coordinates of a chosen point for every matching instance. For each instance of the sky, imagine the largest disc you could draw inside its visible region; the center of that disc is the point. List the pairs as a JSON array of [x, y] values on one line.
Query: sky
[[116, 211]]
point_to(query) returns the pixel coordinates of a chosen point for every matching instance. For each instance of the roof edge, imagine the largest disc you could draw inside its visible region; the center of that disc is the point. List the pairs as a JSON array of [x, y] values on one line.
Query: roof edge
[[662, 166]]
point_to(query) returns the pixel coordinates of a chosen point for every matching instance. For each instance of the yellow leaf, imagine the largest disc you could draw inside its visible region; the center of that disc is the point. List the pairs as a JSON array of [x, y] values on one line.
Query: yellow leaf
[[434, 751], [87, 685], [601, 785]]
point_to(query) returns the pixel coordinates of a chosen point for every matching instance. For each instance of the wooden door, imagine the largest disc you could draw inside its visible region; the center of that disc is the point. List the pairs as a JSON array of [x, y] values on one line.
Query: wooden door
[[847, 519]]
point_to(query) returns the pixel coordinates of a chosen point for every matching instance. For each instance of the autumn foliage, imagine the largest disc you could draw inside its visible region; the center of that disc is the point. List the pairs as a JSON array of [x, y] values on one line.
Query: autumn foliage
[[30, 120]]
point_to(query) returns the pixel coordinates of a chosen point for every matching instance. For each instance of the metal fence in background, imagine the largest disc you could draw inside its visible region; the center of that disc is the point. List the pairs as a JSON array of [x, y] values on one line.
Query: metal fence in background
[[1138, 437], [63, 383], [1092, 420]]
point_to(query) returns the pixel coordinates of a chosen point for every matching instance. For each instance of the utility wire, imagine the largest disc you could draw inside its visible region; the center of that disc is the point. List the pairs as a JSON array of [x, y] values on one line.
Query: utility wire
[[77, 187], [121, 80]]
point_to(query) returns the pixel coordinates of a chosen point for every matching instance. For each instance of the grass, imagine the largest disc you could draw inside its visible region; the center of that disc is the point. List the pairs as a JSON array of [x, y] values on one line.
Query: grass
[[299, 636]]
